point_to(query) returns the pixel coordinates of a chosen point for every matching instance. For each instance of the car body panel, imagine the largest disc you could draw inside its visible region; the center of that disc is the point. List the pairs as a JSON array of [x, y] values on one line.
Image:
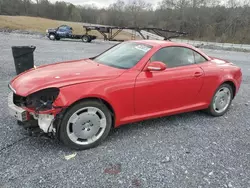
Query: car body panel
[[62, 74], [119, 93], [165, 90], [217, 72], [134, 94]]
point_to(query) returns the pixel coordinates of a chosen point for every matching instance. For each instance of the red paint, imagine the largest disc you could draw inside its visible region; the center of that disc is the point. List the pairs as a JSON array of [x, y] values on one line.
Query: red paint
[[113, 169], [155, 66], [61, 74], [136, 183], [135, 94]]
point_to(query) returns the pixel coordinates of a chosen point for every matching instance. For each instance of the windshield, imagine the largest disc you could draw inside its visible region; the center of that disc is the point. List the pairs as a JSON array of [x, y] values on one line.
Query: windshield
[[124, 55]]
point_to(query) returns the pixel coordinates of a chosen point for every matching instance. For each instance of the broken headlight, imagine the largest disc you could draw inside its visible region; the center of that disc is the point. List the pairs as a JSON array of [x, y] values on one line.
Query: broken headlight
[[42, 100]]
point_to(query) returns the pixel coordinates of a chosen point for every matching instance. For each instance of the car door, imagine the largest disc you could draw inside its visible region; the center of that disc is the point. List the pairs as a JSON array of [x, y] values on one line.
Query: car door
[[170, 89], [62, 31]]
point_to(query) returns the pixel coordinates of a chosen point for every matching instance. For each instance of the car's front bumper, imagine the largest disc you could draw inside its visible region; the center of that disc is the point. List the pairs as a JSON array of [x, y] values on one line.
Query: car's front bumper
[[45, 121], [19, 113]]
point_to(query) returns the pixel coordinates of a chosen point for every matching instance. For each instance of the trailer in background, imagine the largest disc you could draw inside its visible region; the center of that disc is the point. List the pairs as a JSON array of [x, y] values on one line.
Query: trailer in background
[[109, 32]]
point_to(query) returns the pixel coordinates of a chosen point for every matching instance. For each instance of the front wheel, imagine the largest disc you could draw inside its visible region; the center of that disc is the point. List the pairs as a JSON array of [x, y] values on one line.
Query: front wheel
[[221, 101], [85, 125], [52, 36]]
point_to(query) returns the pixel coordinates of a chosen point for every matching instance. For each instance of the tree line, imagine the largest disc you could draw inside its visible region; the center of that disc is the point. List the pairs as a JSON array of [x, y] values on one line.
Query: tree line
[[203, 19]]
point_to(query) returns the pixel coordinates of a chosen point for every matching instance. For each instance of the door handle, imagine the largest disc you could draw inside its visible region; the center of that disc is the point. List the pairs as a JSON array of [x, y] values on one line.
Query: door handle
[[198, 74]]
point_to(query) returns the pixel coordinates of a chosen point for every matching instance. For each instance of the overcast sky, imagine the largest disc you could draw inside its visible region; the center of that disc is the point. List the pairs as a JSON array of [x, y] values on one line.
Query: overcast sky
[[99, 3]]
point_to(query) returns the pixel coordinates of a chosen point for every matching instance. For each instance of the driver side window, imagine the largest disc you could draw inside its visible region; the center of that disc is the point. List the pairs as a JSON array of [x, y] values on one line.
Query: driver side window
[[63, 28], [174, 56]]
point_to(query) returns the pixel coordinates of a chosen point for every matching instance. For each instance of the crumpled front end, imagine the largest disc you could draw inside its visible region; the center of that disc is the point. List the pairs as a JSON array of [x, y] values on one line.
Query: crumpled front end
[[36, 108]]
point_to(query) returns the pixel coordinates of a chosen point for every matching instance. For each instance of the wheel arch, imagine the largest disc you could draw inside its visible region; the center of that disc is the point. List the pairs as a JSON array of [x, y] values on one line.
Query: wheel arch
[[101, 100], [52, 33], [232, 84]]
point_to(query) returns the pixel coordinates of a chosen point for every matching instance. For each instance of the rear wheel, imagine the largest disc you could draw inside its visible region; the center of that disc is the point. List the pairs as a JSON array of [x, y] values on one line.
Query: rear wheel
[[221, 101], [86, 38], [85, 125]]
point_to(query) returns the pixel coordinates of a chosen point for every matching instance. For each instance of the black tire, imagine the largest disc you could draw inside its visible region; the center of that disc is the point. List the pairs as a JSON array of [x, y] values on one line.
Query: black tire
[[63, 135], [86, 38], [20, 123], [211, 109], [52, 36]]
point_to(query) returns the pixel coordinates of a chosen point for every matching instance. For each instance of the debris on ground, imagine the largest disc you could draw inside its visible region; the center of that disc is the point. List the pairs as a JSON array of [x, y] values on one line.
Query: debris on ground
[[166, 160], [68, 157]]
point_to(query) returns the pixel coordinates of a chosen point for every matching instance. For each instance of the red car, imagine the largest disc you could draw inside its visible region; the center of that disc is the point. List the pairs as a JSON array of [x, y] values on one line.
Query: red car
[[80, 101]]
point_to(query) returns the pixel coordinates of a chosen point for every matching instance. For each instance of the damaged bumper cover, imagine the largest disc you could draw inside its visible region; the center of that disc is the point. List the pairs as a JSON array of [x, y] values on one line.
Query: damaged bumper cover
[[45, 119]]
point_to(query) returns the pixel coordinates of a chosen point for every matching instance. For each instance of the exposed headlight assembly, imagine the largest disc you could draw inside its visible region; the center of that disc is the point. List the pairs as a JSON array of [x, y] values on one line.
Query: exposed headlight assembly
[[42, 100]]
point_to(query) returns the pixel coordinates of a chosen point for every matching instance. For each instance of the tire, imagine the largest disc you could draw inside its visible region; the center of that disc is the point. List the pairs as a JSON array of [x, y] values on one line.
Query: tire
[[52, 36], [75, 129], [86, 38], [20, 123], [213, 107]]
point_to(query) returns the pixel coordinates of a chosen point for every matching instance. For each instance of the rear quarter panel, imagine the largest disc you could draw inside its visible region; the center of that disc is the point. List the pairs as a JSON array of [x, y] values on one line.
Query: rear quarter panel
[[215, 75], [212, 78], [233, 74]]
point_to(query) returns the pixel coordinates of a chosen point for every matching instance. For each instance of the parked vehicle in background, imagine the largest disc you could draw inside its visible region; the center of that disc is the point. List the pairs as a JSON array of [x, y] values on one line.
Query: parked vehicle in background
[[65, 31]]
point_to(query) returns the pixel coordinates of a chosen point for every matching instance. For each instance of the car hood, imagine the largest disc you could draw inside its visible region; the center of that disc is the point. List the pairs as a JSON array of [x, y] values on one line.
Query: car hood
[[62, 74]]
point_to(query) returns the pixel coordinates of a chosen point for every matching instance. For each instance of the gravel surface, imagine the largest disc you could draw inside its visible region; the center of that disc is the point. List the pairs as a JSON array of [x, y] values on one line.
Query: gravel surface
[[187, 150]]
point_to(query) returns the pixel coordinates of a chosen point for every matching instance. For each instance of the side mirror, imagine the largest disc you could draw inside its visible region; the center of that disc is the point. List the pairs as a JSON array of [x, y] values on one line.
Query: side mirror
[[156, 66]]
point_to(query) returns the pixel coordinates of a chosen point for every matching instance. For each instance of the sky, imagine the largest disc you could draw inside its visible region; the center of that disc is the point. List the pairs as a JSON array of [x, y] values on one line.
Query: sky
[[98, 3]]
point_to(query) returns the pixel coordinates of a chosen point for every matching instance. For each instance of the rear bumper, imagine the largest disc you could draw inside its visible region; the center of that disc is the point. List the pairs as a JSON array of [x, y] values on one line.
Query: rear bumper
[[238, 80], [239, 84]]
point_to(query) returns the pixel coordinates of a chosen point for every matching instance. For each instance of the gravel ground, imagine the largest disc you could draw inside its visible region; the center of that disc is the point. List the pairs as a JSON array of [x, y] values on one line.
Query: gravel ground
[[187, 150]]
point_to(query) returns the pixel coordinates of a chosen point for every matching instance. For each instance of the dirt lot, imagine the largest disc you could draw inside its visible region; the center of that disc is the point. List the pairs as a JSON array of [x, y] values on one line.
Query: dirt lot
[[188, 150]]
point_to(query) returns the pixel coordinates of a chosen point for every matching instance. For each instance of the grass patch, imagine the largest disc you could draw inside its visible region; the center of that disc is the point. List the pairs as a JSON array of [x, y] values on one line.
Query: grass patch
[[37, 24]]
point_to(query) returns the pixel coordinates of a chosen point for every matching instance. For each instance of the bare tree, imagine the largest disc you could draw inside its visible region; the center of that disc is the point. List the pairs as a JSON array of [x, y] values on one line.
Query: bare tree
[[224, 21], [135, 8]]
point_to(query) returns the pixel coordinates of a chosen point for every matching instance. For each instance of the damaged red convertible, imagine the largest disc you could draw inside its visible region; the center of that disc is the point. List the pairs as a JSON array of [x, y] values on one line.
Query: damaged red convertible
[[80, 101]]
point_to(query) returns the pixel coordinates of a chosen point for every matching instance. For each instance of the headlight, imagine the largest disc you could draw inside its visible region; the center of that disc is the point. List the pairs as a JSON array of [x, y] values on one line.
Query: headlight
[[42, 100], [47, 30]]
